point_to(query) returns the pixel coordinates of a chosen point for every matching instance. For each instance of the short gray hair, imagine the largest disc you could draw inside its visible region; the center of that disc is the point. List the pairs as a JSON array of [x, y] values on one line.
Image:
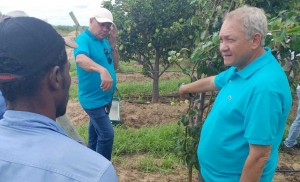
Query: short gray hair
[[254, 21]]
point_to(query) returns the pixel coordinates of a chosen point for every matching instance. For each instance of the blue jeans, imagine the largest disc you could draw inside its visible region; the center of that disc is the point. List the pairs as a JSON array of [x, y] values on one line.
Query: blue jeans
[[294, 131], [101, 132]]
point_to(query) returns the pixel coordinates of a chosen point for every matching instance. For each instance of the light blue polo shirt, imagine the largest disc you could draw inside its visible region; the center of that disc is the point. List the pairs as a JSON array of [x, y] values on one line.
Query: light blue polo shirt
[[35, 148], [251, 108], [90, 94]]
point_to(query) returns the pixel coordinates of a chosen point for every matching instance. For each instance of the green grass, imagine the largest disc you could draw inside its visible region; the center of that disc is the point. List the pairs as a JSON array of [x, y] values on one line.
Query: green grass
[[156, 140], [83, 132], [73, 72], [133, 66], [150, 163], [155, 143], [129, 67], [73, 92], [64, 30], [165, 86]]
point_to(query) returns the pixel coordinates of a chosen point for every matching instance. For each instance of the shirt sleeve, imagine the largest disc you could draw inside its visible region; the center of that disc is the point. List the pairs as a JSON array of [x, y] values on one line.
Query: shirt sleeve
[[109, 175], [222, 78], [263, 117], [83, 46]]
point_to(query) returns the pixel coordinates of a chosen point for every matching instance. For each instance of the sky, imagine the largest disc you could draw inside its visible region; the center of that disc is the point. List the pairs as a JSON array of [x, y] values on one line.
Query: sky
[[55, 12]]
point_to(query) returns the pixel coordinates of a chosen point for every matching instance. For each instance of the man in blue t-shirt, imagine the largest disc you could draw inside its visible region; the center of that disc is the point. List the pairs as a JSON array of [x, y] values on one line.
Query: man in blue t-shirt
[[240, 138], [96, 61]]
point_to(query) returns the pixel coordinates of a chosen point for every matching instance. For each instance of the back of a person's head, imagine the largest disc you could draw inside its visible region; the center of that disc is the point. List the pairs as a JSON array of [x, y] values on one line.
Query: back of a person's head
[[28, 48], [253, 20]]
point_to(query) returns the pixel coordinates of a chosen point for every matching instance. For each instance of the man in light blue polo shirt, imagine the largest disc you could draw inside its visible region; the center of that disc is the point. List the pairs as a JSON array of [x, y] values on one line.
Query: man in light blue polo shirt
[[242, 133], [35, 81]]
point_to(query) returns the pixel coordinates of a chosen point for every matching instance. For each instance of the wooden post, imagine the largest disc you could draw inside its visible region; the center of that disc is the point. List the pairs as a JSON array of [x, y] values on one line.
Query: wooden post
[[64, 122], [78, 27]]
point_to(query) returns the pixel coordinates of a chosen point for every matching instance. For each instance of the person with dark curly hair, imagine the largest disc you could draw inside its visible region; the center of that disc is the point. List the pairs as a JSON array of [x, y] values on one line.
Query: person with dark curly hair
[[35, 82]]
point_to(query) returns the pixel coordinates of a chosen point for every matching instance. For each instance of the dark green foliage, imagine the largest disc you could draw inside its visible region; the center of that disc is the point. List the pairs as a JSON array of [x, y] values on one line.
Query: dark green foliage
[[149, 30]]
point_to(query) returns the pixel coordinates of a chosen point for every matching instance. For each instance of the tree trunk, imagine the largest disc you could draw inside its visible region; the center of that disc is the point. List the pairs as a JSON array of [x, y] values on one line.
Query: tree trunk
[[190, 171], [201, 109], [155, 89], [140, 59]]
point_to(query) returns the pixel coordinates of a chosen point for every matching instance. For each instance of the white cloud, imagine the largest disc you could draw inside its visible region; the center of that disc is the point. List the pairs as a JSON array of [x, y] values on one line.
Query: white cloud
[[56, 12]]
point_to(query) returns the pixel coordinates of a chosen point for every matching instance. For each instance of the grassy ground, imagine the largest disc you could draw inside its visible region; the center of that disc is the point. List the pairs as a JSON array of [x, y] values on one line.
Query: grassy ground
[[155, 142]]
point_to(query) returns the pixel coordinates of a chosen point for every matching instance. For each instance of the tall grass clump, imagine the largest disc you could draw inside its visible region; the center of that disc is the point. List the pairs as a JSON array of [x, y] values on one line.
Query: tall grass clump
[[156, 140]]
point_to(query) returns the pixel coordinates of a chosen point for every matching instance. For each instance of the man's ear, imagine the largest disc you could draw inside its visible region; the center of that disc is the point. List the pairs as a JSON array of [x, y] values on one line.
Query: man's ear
[[54, 77], [91, 19], [256, 41]]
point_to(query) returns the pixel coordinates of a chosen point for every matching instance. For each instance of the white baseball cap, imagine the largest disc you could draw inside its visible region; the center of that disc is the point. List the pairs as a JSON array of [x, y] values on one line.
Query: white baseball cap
[[16, 13], [102, 15]]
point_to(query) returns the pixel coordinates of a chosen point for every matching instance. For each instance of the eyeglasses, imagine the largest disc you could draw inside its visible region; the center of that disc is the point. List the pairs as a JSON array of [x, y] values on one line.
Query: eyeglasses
[[108, 55]]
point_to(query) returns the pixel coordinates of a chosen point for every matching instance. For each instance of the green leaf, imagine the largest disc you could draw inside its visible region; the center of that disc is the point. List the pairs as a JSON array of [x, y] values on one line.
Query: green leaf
[[295, 43], [186, 71], [185, 120], [295, 30], [215, 38]]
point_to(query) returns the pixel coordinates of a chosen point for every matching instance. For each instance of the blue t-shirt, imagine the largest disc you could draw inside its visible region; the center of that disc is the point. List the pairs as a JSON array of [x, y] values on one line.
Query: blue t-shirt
[[251, 108], [2, 105], [35, 148], [90, 94]]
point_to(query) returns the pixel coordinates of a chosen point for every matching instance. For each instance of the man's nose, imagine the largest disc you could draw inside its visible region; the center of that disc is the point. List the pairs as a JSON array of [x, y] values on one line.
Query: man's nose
[[223, 47]]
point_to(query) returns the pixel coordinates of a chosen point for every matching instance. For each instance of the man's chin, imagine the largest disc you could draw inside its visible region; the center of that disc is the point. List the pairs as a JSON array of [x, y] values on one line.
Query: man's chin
[[228, 62], [101, 36]]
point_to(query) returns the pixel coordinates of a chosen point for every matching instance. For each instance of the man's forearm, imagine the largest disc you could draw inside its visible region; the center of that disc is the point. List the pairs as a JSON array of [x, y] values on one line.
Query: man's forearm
[[255, 163], [88, 64], [202, 85], [252, 170]]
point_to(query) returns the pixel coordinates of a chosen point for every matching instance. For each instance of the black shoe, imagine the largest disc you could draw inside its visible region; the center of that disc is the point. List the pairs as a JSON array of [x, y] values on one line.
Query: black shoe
[[290, 150]]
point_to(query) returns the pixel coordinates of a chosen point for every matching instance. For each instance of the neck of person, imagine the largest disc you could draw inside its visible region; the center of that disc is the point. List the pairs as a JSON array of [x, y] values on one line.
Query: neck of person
[[97, 35], [252, 57], [34, 105]]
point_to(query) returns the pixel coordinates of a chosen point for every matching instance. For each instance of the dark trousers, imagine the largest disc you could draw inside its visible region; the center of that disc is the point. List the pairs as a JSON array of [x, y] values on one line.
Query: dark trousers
[[101, 132]]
